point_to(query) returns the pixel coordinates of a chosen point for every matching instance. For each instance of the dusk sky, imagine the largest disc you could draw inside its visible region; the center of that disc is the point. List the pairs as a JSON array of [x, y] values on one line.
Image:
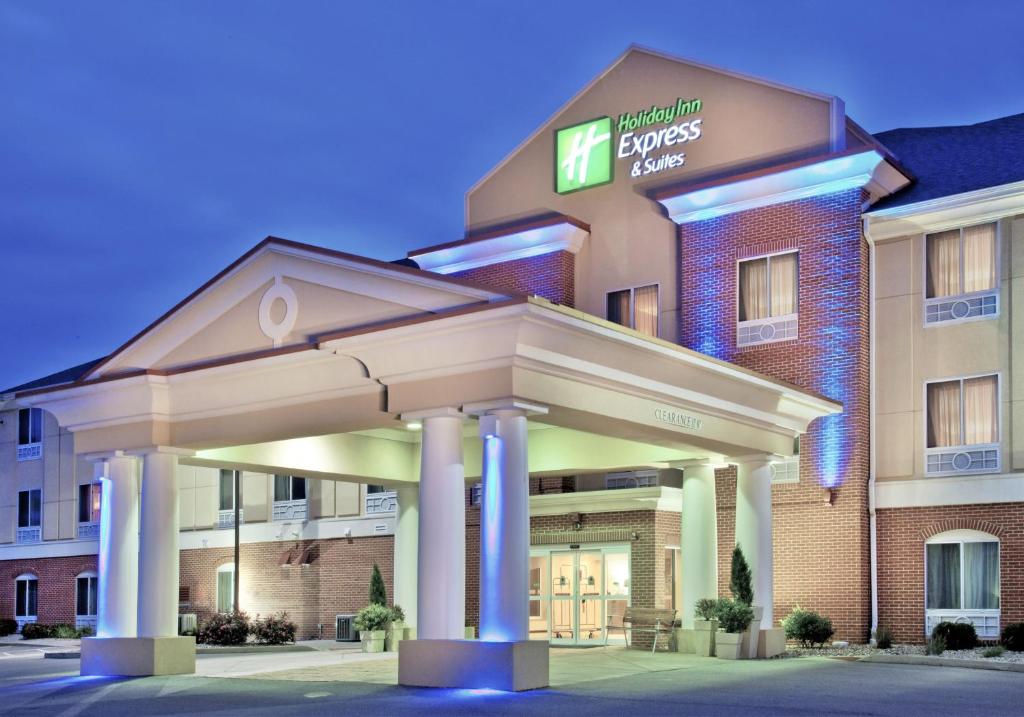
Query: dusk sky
[[146, 145]]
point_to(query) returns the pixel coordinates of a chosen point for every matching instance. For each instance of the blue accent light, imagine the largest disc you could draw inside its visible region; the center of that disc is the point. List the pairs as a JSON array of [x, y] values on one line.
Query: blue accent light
[[106, 489], [491, 518]]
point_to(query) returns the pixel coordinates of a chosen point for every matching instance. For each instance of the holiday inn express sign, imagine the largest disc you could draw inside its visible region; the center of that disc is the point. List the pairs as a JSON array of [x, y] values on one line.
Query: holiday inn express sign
[[647, 140]]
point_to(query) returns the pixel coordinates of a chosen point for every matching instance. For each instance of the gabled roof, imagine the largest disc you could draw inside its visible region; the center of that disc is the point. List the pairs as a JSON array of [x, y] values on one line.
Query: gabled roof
[[68, 375], [956, 159]]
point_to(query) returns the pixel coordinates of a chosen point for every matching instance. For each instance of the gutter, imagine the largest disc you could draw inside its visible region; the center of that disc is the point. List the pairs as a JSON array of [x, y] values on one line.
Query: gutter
[[872, 388]]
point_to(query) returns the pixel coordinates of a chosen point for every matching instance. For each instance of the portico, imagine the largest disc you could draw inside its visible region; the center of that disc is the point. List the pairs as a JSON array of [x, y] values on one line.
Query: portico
[[474, 369]]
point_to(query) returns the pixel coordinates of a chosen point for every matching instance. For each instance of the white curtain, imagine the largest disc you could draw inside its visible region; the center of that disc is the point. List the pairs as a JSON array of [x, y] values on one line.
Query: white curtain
[[944, 264], [981, 576], [981, 410], [944, 414], [943, 589], [753, 289], [783, 270], [979, 258], [645, 310]]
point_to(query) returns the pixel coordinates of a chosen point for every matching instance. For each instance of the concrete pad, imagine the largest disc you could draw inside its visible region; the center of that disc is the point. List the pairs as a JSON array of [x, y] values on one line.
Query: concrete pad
[[474, 664], [771, 643], [138, 656]]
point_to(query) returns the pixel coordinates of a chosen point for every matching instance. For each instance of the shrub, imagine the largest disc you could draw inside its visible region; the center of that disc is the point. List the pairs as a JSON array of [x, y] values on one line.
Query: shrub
[[994, 651], [740, 583], [1013, 637], [378, 596], [956, 635], [936, 645], [273, 629], [224, 629], [8, 626], [883, 637], [808, 627], [373, 617], [35, 631], [705, 609], [733, 615], [397, 613]]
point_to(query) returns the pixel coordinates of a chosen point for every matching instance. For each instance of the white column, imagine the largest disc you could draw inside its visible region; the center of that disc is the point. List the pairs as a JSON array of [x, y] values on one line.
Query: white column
[[441, 565], [158, 545], [505, 527], [698, 539], [119, 545], [754, 528], [406, 548]]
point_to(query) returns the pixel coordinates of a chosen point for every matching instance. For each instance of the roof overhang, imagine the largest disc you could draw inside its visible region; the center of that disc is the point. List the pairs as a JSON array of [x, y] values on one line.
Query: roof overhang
[[824, 175]]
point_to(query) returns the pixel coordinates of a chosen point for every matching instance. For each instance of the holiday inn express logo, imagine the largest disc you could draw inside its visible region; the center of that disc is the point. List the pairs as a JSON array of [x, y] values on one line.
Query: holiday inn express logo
[[583, 155]]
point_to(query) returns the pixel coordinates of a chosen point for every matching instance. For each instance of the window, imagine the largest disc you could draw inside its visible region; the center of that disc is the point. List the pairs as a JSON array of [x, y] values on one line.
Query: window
[[30, 426], [89, 499], [29, 504], [788, 470], [962, 425], [961, 274], [671, 579], [636, 308], [631, 479], [962, 580], [768, 291], [30, 434], [26, 596], [289, 488], [227, 490], [226, 588], [86, 591]]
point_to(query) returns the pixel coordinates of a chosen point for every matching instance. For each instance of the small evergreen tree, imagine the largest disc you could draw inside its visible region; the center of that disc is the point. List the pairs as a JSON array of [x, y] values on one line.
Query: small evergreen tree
[[740, 584], [378, 596]]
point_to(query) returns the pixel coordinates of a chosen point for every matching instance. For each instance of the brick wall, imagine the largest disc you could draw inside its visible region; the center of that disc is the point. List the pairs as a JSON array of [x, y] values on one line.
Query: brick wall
[[549, 275], [902, 533], [56, 586], [821, 551]]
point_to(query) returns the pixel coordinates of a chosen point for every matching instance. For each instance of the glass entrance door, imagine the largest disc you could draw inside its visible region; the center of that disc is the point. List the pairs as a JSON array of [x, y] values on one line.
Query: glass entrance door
[[574, 593]]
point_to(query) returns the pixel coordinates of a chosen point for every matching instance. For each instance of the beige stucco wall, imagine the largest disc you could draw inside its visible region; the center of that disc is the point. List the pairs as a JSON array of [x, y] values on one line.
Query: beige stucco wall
[[908, 354], [746, 125]]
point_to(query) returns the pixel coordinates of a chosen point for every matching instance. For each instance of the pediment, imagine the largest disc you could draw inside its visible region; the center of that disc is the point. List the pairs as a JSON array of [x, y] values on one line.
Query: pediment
[[284, 294]]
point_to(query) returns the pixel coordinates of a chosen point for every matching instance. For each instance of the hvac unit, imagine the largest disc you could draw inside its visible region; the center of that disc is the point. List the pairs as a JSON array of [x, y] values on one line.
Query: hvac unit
[[345, 629], [187, 624]]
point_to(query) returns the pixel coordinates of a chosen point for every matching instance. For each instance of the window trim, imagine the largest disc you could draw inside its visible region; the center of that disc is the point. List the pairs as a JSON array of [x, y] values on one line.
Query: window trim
[[996, 290], [997, 446], [224, 568], [33, 450], [18, 508], [959, 537], [632, 306], [88, 575], [783, 317], [27, 617]]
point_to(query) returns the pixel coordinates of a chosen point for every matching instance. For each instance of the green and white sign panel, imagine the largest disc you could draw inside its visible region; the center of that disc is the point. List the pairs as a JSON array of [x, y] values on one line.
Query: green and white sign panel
[[583, 155]]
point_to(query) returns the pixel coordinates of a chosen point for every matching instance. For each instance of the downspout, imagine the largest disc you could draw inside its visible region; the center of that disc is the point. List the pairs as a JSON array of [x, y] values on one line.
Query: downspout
[[872, 512]]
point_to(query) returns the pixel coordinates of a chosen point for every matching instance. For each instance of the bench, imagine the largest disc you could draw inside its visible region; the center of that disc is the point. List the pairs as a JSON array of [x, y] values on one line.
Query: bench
[[652, 620]]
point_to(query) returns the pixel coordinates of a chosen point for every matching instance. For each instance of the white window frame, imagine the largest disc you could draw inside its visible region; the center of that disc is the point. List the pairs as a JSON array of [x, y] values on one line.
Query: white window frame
[[29, 533], [621, 480], [785, 327], [226, 516], [966, 448], [291, 509], [89, 529], [989, 619], [974, 297], [22, 620], [632, 306], [33, 450], [225, 568], [787, 470], [87, 619]]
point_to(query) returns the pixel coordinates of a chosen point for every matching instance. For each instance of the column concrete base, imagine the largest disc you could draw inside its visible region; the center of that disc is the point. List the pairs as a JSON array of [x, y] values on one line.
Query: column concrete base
[[771, 642], [474, 664], [138, 656]]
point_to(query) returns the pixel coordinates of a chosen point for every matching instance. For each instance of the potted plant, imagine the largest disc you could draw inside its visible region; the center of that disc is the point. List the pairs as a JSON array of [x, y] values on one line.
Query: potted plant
[[743, 591], [734, 617], [372, 622], [705, 623], [396, 632]]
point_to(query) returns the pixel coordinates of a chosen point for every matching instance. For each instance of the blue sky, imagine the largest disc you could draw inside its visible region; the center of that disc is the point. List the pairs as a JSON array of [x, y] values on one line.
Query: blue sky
[[145, 145]]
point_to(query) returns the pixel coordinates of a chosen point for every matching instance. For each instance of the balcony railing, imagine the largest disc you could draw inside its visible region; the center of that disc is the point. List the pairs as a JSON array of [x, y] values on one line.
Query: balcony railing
[[290, 510], [88, 531], [959, 460], [88, 621], [379, 503], [226, 518], [766, 331], [30, 452], [978, 305], [30, 535]]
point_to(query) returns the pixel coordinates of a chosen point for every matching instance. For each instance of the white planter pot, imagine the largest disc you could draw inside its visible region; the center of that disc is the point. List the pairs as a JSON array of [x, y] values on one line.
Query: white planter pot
[[754, 632], [470, 633], [728, 645], [704, 637], [396, 634], [372, 640]]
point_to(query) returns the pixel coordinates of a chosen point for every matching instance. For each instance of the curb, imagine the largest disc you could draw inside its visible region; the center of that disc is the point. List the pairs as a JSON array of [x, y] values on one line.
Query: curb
[[253, 649], [935, 661], [66, 655]]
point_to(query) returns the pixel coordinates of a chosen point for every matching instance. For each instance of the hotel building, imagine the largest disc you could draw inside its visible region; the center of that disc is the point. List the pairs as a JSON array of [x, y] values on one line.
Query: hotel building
[[692, 309]]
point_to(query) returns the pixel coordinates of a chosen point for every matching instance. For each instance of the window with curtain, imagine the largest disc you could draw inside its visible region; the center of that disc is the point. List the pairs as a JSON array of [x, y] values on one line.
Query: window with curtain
[[289, 488], [636, 308], [29, 508], [227, 490], [963, 412], [30, 426], [226, 588], [961, 261], [26, 596], [89, 498], [962, 575], [768, 286], [86, 587]]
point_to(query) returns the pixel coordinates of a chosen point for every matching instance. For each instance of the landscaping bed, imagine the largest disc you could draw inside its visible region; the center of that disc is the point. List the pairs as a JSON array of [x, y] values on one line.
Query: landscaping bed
[[902, 650]]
